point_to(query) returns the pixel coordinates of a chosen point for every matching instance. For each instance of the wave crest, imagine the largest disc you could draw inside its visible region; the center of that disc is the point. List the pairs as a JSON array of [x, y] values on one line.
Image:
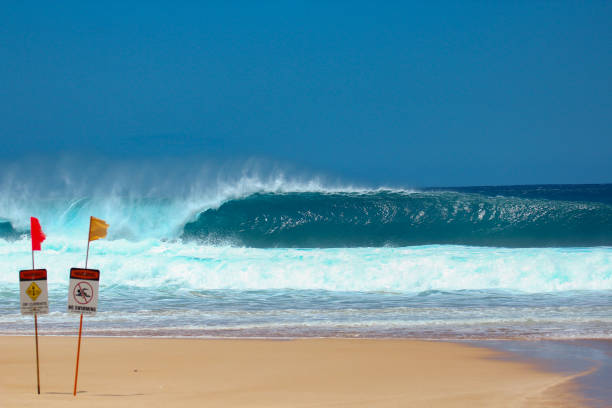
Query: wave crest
[[390, 218]]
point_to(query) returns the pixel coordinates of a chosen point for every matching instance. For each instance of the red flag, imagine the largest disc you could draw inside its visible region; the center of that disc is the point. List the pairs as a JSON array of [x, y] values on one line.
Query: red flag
[[38, 236]]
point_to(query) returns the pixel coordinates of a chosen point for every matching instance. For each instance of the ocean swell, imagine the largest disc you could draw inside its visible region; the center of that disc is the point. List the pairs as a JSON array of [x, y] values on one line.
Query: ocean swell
[[394, 218]]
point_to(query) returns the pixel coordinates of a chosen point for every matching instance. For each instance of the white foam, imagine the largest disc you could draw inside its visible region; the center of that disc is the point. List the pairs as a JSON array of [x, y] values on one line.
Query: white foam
[[158, 264]]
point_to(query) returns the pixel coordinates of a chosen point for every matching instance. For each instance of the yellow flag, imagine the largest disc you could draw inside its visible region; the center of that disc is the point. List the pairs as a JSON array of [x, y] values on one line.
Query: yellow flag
[[97, 228]]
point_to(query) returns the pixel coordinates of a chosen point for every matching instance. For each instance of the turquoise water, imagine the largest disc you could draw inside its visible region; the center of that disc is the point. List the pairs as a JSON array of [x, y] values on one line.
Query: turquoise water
[[296, 263], [400, 218]]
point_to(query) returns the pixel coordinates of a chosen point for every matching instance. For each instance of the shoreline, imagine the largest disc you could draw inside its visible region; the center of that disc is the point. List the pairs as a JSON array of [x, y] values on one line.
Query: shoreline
[[589, 360], [459, 340], [276, 372]]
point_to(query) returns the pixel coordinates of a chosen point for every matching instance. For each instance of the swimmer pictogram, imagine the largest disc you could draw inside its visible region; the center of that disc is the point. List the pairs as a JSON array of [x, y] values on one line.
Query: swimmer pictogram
[[83, 293]]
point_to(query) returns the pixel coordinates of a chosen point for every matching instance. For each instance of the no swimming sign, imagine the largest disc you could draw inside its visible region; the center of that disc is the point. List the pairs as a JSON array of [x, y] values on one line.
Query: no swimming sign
[[83, 291]]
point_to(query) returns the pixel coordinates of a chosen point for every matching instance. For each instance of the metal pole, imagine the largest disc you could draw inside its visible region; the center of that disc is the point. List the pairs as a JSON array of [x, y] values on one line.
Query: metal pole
[[88, 241], [87, 256]]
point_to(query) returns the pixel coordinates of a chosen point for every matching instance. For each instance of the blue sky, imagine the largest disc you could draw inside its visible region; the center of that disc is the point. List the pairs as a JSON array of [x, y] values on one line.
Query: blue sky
[[448, 93]]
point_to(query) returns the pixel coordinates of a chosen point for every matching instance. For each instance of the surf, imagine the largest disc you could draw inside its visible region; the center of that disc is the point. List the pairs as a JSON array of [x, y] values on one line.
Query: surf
[[328, 219], [188, 266]]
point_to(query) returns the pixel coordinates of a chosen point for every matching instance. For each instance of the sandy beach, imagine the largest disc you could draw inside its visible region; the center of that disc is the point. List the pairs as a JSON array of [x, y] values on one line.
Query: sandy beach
[[130, 372]]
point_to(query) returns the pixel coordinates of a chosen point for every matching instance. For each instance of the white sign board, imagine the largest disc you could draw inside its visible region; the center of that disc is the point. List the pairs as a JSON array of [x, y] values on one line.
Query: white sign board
[[33, 297], [83, 291]]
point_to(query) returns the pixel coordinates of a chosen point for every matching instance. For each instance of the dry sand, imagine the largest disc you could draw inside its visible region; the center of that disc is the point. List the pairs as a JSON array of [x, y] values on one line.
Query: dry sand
[[122, 372]]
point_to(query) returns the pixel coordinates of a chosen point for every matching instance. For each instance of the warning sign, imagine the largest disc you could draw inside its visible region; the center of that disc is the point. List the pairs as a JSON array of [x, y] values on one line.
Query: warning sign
[[33, 291], [83, 291], [34, 297]]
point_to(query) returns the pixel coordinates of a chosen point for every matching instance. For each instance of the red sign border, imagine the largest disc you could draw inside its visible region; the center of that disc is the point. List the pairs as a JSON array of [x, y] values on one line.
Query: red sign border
[[32, 275], [85, 274]]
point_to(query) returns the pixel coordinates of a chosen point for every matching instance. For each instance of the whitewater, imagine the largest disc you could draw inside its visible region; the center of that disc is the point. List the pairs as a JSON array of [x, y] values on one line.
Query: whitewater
[[253, 257]]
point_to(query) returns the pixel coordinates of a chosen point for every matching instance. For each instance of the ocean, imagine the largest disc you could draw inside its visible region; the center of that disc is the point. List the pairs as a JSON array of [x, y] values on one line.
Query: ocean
[[286, 260]]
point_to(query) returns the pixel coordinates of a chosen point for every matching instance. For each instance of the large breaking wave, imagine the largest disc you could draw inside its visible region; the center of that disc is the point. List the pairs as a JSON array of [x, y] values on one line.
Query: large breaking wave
[[390, 218], [324, 219]]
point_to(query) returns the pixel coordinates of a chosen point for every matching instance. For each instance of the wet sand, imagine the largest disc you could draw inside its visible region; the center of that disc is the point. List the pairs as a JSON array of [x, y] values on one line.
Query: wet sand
[[589, 360], [135, 372]]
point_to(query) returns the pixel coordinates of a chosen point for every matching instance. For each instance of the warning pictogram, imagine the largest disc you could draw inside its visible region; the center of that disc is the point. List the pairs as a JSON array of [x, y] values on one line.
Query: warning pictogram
[[34, 297], [83, 291], [33, 291]]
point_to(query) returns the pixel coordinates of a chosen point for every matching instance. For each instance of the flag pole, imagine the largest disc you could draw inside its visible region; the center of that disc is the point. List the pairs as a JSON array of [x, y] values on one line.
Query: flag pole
[[88, 241], [76, 372], [37, 364], [36, 335]]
